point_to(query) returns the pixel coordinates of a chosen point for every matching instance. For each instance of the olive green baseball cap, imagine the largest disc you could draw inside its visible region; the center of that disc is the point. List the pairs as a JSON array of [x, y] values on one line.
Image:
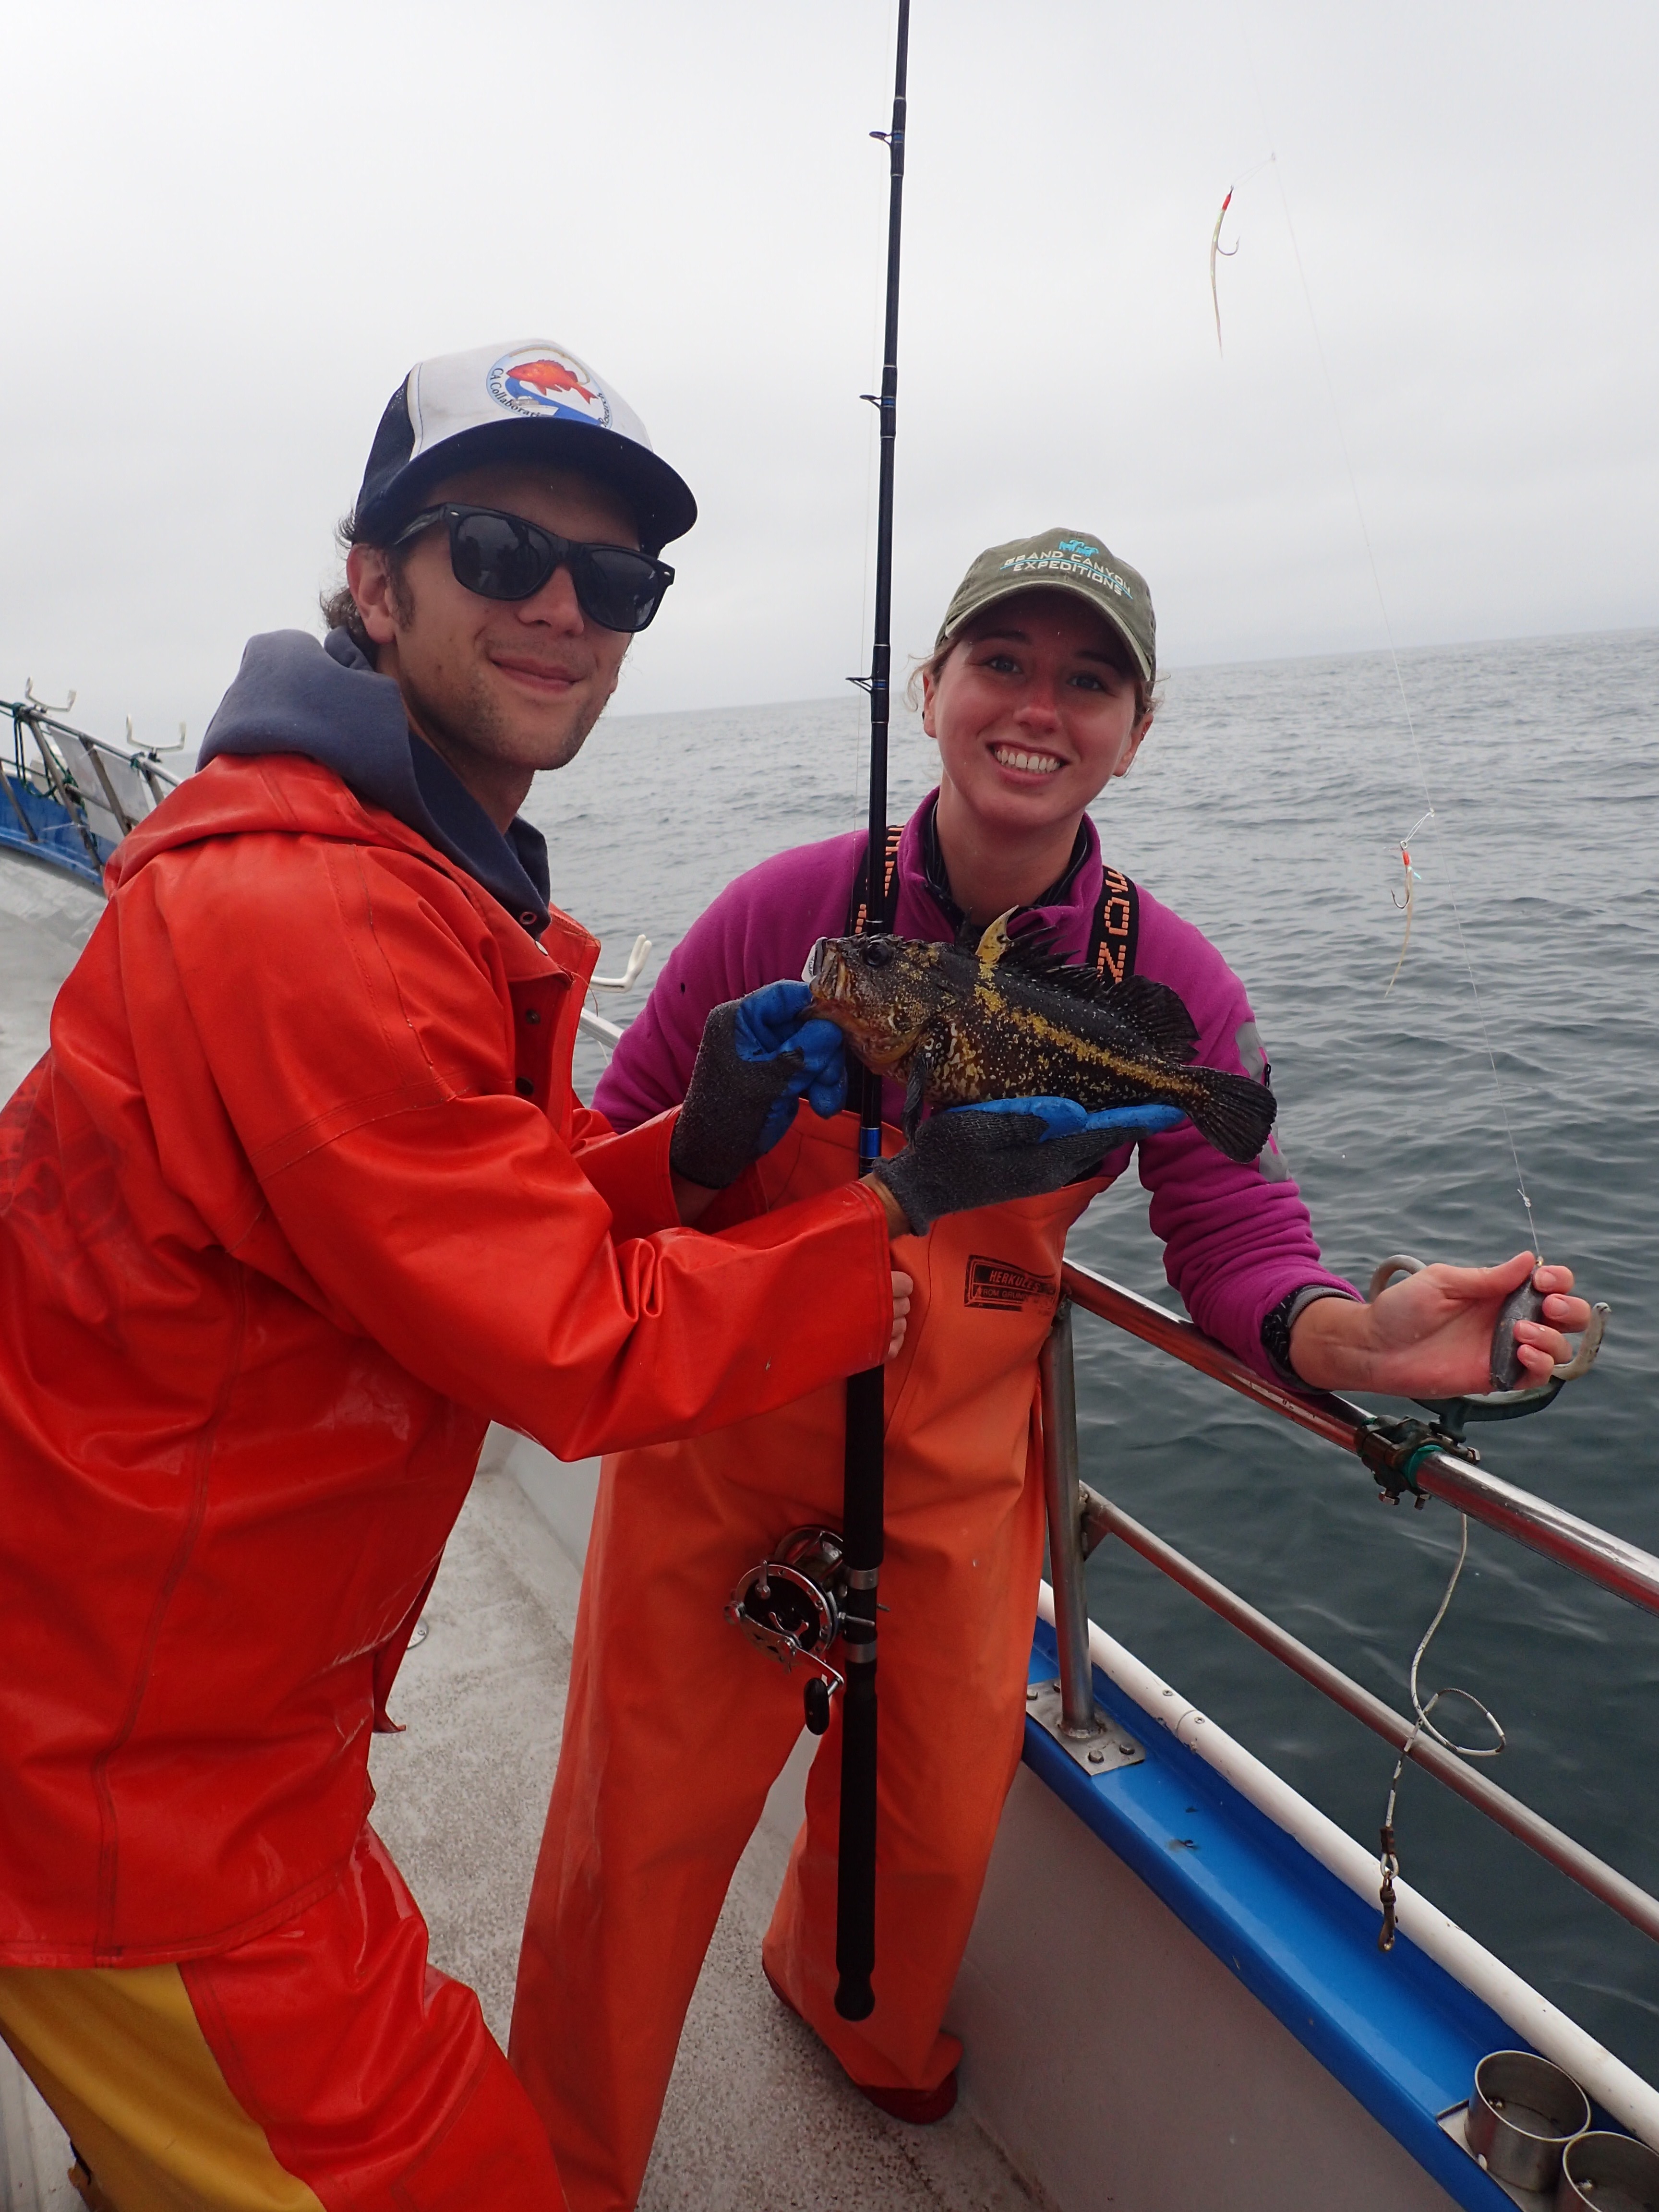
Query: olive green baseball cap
[[1061, 561]]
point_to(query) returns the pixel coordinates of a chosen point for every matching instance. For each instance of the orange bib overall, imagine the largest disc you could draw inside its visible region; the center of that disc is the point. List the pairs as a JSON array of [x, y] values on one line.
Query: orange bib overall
[[677, 1726]]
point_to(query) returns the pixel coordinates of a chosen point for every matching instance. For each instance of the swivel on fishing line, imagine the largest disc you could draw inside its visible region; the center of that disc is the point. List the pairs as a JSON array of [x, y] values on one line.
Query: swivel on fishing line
[[1389, 1859]]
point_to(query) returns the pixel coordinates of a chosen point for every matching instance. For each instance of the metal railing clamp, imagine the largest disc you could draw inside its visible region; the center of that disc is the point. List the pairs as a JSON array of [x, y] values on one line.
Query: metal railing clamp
[[1394, 1447]]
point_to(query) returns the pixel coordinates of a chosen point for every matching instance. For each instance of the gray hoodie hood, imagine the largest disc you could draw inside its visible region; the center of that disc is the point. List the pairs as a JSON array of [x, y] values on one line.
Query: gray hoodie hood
[[293, 694]]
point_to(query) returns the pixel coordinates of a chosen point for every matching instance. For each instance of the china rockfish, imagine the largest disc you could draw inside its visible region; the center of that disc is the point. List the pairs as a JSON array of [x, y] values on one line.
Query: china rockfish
[[549, 377], [1003, 1020]]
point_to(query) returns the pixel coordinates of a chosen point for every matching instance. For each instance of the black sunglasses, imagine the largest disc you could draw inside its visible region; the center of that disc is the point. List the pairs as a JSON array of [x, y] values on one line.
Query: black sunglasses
[[503, 557]]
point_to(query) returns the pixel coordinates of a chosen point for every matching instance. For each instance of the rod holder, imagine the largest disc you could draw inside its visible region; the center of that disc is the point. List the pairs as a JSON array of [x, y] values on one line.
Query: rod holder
[[1522, 2116]]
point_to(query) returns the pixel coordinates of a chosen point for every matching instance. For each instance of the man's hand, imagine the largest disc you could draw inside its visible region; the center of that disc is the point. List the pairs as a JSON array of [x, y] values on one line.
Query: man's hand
[[758, 1058], [902, 1287], [1430, 1334]]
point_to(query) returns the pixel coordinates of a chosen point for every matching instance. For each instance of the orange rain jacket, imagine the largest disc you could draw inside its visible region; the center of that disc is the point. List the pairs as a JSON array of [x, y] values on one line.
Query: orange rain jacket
[[299, 1200]]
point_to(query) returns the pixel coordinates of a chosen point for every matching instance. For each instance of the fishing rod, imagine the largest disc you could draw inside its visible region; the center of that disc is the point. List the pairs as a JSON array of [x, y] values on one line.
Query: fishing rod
[[865, 1472]]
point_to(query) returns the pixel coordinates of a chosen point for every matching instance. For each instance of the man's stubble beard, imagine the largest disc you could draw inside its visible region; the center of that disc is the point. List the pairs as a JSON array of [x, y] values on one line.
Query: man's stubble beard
[[475, 724]]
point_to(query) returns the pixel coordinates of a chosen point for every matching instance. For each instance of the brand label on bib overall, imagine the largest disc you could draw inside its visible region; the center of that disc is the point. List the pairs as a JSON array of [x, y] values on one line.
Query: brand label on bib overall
[[999, 1283]]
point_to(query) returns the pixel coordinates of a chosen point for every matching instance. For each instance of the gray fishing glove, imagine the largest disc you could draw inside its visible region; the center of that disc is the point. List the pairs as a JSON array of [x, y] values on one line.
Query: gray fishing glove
[[1008, 1148], [757, 1059]]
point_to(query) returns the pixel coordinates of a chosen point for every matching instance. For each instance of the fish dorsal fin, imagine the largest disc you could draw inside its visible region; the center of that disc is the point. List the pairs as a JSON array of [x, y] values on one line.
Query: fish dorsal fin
[[995, 943], [1159, 1013], [1154, 1009]]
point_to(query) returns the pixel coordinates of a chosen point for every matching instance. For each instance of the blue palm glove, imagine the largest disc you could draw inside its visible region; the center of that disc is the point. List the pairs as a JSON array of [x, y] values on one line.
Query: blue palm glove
[[769, 1025], [1006, 1149], [1064, 1117], [756, 1061]]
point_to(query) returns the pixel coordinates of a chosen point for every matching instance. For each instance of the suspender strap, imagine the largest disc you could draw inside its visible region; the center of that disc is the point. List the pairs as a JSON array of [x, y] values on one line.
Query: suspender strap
[[1116, 928], [1113, 933], [856, 905]]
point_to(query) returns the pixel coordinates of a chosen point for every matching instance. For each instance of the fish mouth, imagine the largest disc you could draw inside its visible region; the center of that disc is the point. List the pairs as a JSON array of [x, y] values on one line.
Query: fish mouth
[[826, 972], [834, 981]]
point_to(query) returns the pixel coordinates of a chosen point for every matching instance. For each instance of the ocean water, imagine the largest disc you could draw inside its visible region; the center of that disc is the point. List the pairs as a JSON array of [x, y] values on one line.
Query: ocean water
[[1267, 807]]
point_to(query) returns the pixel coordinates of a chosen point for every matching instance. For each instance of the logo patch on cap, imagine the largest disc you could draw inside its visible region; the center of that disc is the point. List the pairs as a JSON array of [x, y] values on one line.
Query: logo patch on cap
[[1071, 564], [545, 382]]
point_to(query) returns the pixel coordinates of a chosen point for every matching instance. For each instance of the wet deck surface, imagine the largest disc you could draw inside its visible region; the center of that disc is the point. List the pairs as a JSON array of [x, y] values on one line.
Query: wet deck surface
[[45, 919]]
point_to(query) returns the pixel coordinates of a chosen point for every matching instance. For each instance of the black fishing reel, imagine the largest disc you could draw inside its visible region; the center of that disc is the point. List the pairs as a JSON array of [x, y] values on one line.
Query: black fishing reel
[[790, 1606], [1504, 1401]]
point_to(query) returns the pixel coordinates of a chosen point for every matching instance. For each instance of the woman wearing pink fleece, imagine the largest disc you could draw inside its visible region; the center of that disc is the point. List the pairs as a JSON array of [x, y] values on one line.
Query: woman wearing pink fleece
[[1039, 693]]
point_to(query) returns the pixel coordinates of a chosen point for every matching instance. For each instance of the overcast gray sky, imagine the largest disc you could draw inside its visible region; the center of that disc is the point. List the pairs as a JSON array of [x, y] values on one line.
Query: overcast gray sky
[[229, 231]]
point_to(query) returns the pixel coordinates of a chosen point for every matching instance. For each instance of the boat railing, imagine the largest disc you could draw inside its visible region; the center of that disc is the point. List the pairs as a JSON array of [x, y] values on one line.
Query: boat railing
[[1079, 1518], [106, 790]]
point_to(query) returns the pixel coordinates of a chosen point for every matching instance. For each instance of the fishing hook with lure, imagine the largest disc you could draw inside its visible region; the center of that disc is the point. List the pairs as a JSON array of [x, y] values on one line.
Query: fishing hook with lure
[[1409, 901], [1218, 251], [1226, 253]]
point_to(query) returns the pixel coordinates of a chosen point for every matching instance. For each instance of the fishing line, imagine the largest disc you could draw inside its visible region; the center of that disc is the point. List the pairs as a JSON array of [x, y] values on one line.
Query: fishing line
[[1394, 657], [1388, 1857]]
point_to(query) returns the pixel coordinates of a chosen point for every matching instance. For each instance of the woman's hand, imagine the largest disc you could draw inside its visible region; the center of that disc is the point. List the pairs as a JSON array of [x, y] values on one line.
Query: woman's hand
[[1430, 1334], [903, 1287], [1003, 1149]]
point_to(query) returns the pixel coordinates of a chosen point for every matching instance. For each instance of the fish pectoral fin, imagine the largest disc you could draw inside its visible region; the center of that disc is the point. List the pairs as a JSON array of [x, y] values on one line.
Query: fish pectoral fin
[[994, 943]]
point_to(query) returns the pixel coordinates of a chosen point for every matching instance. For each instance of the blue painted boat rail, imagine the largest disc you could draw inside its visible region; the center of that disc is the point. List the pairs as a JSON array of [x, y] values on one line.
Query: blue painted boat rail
[[66, 798], [1399, 2032]]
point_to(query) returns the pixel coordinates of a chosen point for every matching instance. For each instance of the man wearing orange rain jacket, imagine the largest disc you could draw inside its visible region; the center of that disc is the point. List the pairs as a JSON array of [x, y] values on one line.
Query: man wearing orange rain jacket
[[299, 1199]]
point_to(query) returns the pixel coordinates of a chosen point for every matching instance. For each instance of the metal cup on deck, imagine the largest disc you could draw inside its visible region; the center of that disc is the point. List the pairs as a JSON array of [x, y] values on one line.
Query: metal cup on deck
[[1608, 2173], [1522, 2114]]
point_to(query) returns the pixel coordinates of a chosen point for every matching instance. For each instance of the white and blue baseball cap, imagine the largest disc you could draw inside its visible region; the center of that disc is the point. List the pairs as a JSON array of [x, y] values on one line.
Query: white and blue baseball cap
[[512, 402]]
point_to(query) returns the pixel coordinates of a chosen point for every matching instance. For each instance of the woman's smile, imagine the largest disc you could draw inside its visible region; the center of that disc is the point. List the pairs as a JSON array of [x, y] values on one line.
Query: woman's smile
[[1025, 762]]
